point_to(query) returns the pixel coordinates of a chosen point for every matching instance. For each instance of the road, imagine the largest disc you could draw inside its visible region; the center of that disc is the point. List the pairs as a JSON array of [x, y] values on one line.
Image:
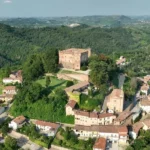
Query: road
[[24, 142], [121, 79], [4, 115]]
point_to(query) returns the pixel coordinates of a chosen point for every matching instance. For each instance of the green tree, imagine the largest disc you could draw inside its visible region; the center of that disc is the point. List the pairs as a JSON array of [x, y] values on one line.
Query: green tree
[[10, 143], [48, 81], [69, 83]]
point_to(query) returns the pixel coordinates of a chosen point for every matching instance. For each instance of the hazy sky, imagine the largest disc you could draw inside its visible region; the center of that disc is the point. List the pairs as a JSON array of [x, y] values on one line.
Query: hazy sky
[[49, 8]]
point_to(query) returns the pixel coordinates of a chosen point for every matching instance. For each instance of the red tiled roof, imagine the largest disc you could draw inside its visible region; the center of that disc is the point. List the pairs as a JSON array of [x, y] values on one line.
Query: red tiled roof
[[100, 143], [82, 113], [71, 103], [10, 88], [19, 119], [44, 123], [103, 128]]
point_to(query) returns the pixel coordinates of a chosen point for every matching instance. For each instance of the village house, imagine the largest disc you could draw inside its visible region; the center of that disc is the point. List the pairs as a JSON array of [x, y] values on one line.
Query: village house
[[74, 91], [100, 144], [47, 128], [145, 104], [145, 125], [70, 107], [6, 97], [14, 77], [18, 122], [145, 89], [10, 90], [121, 61], [92, 118], [73, 58], [123, 116], [111, 132], [115, 101]]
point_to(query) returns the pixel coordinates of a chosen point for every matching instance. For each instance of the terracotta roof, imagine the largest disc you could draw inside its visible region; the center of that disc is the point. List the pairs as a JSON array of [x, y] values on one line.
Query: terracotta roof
[[71, 103], [74, 50], [10, 88], [122, 116], [145, 87], [93, 114], [116, 93], [77, 86], [82, 113], [104, 115], [147, 122], [49, 124], [19, 119], [102, 128], [145, 102], [100, 143], [137, 126]]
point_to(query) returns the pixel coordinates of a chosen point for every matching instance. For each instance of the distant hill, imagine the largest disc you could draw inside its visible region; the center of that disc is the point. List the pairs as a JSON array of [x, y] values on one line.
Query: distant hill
[[97, 21]]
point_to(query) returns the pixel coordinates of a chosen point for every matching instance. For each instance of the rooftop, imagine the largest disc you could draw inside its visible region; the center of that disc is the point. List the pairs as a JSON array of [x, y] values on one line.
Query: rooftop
[[74, 50], [103, 128], [49, 124], [100, 143], [10, 88], [71, 103], [77, 86], [145, 87], [19, 119]]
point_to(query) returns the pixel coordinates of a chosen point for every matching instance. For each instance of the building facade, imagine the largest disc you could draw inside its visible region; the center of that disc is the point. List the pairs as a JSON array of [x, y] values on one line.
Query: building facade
[[92, 118], [111, 132], [73, 58], [115, 101]]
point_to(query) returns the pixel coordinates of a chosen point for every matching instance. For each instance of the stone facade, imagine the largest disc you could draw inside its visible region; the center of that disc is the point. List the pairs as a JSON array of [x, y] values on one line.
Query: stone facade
[[73, 58], [115, 100]]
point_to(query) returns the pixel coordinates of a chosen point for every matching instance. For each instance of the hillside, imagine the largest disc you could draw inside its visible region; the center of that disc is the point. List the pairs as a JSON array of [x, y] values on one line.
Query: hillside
[[18, 43], [97, 21]]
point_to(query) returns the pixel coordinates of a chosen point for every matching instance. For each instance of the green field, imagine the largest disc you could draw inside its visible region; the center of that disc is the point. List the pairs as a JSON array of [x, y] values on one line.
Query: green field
[[55, 82]]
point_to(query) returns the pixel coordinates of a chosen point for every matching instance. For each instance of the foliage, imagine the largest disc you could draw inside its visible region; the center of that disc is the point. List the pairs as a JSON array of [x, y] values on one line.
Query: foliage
[[24, 42], [142, 142], [90, 103], [10, 143], [48, 81], [32, 98], [34, 135], [4, 127], [69, 83], [130, 86], [102, 70], [68, 139]]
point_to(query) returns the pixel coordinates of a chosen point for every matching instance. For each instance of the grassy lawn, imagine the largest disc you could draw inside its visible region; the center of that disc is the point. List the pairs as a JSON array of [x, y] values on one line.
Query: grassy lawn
[[1, 88], [55, 82]]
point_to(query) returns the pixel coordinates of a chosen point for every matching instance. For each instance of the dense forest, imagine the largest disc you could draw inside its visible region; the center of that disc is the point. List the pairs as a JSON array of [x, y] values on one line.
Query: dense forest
[[17, 43]]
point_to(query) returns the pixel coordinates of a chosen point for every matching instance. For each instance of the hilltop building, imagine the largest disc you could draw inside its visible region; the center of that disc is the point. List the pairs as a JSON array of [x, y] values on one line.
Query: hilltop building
[[73, 58]]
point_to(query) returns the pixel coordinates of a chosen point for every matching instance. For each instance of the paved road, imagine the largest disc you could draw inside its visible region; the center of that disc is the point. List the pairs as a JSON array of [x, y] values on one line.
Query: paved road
[[121, 79], [4, 115], [24, 142]]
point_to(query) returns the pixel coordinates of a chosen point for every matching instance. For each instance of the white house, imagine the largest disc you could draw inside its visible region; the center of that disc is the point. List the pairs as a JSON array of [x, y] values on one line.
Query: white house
[[47, 128], [111, 132], [18, 122]]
